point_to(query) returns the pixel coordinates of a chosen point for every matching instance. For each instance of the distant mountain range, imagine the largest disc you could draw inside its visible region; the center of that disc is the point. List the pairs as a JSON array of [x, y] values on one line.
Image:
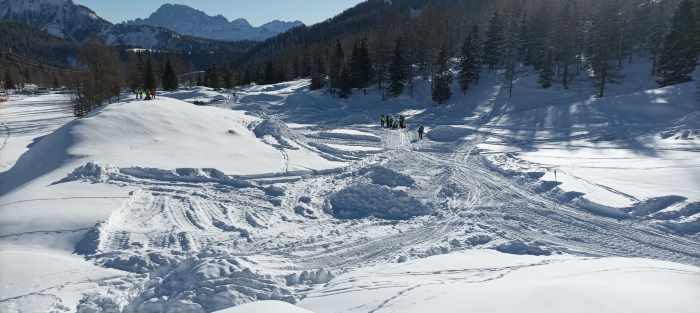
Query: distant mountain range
[[171, 27], [188, 21]]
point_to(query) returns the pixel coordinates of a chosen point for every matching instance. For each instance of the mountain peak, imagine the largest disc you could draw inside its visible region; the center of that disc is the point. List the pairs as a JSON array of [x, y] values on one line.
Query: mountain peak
[[190, 21]]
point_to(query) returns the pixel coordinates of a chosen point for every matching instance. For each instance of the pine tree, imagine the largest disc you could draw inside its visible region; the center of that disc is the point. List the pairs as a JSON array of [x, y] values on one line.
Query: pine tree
[[510, 49], [657, 28], [228, 79], [169, 79], [539, 30], [149, 78], [345, 83], [679, 54], [546, 70], [442, 79], [336, 66], [365, 65], [397, 71], [493, 53], [361, 65], [316, 73], [212, 79], [603, 40], [9, 81], [470, 64], [565, 42]]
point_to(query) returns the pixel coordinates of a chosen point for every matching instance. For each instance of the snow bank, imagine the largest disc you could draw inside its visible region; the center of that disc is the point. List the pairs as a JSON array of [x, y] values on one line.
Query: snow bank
[[521, 248], [205, 282], [386, 177], [265, 307], [470, 281], [447, 133], [365, 200], [276, 129]]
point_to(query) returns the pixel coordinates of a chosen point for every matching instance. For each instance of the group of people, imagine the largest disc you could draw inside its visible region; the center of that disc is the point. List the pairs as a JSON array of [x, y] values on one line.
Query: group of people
[[145, 94], [391, 122], [388, 121]]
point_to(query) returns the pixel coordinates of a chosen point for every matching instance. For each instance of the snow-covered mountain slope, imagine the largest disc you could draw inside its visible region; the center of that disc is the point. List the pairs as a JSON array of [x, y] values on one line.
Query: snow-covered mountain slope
[[275, 192], [188, 21], [61, 18], [489, 281], [75, 23]]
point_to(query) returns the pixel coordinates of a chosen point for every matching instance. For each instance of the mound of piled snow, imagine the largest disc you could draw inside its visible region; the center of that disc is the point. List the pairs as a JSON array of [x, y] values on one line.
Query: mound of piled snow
[[383, 176], [265, 307], [365, 200], [204, 283], [276, 129], [489, 281], [447, 133]]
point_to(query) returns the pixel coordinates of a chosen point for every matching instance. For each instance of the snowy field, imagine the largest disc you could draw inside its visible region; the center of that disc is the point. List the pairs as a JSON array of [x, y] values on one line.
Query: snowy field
[[288, 200]]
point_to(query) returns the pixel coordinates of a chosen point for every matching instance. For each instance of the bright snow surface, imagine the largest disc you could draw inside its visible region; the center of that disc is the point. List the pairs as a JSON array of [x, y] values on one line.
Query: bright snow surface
[[278, 193]]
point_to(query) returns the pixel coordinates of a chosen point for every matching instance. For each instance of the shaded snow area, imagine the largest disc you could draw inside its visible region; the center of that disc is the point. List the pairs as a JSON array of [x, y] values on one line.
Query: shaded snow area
[[483, 281], [274, 198]]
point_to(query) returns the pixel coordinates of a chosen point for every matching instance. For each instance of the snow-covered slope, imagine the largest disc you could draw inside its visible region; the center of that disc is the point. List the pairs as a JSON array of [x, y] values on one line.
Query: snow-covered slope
[[188, 21], [488, 281], [61, 18]]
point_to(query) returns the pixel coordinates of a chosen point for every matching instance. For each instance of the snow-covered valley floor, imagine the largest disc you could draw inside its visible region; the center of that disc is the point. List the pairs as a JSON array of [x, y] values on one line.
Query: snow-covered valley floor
[[557, 200]]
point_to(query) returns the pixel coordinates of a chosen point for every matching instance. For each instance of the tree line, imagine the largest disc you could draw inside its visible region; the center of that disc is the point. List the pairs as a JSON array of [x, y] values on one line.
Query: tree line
[[445, 41]]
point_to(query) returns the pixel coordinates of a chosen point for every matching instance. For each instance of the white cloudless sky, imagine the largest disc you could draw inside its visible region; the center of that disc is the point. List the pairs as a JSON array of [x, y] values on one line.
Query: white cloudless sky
[[257, 12]]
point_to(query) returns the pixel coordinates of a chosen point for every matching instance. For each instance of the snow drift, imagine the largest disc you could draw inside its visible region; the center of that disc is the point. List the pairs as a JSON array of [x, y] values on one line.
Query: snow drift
[[365, 200]]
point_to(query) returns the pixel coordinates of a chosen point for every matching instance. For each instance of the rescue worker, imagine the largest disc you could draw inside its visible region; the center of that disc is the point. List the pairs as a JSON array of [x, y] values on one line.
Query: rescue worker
[[421, 130]]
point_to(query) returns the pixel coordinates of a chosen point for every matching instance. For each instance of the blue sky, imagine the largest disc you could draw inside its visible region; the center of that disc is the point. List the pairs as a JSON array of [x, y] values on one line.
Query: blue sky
[[256, 11]]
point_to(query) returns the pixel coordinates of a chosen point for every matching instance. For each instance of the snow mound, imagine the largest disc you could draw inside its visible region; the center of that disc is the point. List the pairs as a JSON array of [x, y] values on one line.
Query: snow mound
[[521, 248], [448, 133], [276, 129], [365, 200], [265, 307], [320, 276], [383, 176], [98, 173], [143, 134], [205, 282]]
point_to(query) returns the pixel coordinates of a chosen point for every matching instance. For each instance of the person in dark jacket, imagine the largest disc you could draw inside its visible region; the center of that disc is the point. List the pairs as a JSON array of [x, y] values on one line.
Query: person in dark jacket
[[421, 130]]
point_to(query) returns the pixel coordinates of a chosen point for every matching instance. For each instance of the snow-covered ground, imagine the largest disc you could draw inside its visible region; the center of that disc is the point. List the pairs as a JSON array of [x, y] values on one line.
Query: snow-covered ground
[[276, 193]]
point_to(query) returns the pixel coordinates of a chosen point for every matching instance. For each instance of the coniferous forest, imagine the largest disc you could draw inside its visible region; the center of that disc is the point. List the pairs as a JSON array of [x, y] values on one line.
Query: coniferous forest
[[388, 45]]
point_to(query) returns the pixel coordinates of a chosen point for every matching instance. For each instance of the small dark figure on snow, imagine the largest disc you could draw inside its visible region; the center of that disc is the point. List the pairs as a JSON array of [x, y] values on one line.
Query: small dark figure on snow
[[389, 122], [382, 120], [421, 130], [402, 122]]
